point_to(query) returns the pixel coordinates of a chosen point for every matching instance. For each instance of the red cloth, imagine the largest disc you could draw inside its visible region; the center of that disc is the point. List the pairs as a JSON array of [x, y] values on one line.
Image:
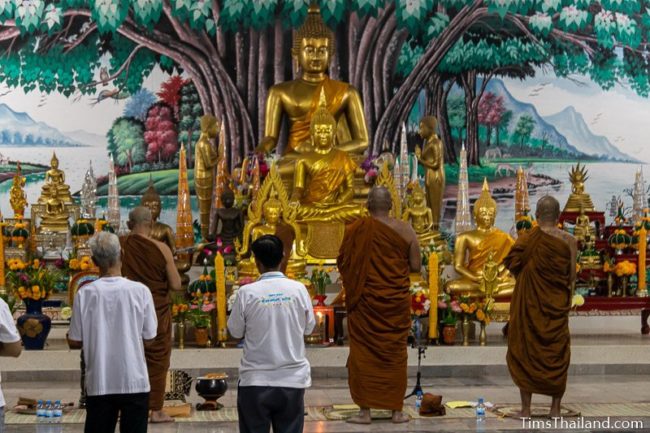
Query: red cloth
[[374, 266]]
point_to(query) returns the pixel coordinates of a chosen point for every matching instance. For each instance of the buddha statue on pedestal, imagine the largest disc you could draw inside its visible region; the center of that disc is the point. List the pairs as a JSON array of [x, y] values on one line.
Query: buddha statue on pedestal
[[324, 177], [583, 228], [205, 159], [420, 216], [475, 248], [588, 257], [313, 48], [54, 186], [159, 231], [578, 199], [17, 197], [55, 218]]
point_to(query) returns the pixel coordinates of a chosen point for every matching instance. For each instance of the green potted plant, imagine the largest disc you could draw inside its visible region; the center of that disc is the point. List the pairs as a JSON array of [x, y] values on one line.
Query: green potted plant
[[451, 309]]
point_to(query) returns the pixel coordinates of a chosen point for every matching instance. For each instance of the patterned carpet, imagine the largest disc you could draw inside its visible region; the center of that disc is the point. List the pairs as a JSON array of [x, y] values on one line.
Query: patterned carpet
[[313, 413]]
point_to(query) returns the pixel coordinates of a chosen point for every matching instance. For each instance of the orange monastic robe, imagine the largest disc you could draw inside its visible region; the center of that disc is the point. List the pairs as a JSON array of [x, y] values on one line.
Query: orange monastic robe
[[143, 262], [538, 332], [374, 266]]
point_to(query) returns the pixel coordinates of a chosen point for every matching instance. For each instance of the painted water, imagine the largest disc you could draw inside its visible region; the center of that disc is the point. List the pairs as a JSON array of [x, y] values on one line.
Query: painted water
[[605, 180]]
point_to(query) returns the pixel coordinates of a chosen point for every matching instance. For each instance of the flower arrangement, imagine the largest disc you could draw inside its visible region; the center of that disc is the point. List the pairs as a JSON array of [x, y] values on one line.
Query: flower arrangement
[[525, 222], [370, 168], [619, 240], [420, 302], [201, 308], [451, 310], [474, 310], [80, 264], [19, 233], [320, 279], [484, 311], [31, 280], [608, 265], [180, 309], [577, 301], [204, 284], [625, 268]]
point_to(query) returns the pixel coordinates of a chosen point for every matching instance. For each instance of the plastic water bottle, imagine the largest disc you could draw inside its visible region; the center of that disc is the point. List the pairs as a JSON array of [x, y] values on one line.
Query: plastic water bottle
[[49, 411], [480, 412], [418, 400], [40, 412], [58, 411]]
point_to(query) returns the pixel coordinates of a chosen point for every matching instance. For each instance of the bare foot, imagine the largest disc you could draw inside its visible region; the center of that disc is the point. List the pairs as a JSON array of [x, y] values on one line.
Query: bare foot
[[362, 418], [555, 413], [159, 416], [399, 417]]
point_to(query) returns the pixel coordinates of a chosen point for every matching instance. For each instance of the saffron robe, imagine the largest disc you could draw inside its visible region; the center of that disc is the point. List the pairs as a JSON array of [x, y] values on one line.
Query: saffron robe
[[538, 332], [374, 266], [143, 262]]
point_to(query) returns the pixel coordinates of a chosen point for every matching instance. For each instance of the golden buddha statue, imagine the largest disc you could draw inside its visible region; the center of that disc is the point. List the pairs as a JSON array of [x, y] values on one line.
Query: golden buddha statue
[[431, 157], [588, 257], [55, 216], [17, 197], [477, 247], [420, 217], [205, 159], [583, 227], [313, 48], [159, 231], [271, 214], [578, 198], [324, 177], [55, 187]]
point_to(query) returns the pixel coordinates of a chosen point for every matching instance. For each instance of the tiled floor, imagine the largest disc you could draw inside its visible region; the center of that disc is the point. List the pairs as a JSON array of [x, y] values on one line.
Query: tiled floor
[[581, 389]]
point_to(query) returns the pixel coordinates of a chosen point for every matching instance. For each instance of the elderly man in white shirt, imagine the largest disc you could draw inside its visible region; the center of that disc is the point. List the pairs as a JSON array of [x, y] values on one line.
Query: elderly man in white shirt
[[10, 345], [273, 314], [112, 318]]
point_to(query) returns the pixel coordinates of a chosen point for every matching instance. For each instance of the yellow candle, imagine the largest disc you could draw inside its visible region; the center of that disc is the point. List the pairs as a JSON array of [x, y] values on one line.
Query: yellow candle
[[642, 254], [433, 295], [2, 255], [220, 275]]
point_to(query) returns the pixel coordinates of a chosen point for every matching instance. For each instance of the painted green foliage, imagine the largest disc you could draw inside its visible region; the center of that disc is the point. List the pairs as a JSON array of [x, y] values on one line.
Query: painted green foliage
[[126, 142]]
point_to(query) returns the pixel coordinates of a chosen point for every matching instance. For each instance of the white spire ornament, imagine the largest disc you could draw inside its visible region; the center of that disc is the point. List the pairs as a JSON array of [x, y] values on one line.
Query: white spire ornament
[[397, 178], [404, 161], [113, 214], [89, 194], [638, 196], [463, 221]]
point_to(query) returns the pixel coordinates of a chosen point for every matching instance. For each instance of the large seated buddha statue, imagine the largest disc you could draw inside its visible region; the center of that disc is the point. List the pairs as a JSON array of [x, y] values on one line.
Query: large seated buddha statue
[[324, 177], [298, 100], [477, 248], [55, 186]]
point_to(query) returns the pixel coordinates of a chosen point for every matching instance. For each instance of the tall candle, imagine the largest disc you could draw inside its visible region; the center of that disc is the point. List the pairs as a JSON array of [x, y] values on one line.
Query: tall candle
[[433, 295], [642, 254], [2, 256], [220, 275]]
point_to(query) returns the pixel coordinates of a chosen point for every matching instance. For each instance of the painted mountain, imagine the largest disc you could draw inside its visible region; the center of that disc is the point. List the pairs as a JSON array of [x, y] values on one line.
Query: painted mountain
[[573, 126], [19, 129], [518, 108]]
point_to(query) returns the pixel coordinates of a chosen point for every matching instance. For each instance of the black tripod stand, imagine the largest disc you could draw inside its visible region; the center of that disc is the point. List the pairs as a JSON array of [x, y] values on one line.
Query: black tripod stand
[[418, 386]]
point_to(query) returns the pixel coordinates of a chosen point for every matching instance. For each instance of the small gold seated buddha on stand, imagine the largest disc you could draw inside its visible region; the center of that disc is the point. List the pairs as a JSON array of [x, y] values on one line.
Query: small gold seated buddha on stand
[[477, 247], [420, 216], [55, 206]]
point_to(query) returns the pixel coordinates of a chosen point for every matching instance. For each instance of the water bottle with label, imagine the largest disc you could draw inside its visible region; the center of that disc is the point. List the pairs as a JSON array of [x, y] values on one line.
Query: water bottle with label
[[40, 412], [58, 411], [480, 411], [418, 400], [49, 411]]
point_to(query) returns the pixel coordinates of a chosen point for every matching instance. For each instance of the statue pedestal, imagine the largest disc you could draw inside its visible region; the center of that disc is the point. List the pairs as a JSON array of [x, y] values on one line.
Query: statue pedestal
[[324, 241]]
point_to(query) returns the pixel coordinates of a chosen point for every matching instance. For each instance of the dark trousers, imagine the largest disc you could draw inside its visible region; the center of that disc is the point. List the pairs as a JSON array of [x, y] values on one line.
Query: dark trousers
[[102, 412], [260, 407]]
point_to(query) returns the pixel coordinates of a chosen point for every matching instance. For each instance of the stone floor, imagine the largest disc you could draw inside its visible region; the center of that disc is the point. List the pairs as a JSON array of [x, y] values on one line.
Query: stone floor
[[581, 389]]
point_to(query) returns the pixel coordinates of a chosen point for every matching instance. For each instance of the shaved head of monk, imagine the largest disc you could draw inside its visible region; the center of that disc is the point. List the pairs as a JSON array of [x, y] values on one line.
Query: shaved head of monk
[[548, 210], [140, 216], [379, 201]]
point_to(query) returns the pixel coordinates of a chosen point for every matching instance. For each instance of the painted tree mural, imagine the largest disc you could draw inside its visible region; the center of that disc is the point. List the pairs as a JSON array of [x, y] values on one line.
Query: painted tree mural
[[126, 142], [490, 113], [160, 134], [233, 50]]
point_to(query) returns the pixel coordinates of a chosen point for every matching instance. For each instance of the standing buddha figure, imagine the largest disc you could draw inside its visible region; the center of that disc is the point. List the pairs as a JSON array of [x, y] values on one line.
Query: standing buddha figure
[[17, 197], [476, 247], [431, 157], [159, 231], [313, 48], [205, 159]]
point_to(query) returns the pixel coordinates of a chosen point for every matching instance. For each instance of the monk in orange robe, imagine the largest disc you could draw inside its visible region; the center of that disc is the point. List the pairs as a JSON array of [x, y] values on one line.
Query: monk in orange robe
[[151, 263], [544, 264], [376, 257]]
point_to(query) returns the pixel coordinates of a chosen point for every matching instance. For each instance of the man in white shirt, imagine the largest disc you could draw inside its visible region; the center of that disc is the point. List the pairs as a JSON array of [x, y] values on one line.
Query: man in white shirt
[[10, 345], [112, 318], [273, 314]]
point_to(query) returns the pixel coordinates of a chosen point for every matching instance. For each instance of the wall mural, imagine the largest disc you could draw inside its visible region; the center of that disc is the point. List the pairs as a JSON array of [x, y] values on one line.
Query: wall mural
[[540, 84]]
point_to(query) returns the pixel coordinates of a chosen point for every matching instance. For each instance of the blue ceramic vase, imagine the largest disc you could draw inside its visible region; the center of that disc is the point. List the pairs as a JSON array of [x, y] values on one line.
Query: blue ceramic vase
[[34, 326]]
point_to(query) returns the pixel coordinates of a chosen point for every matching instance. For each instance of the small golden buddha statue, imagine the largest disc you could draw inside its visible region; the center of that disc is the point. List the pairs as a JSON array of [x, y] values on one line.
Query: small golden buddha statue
[[159, 231], [474, 248], [420, 217], [588, 257], [324, 177], [578, 199], [205, 159], [17, 197], [55, 187], [490, 280], [431, 157], [313, 48], [55, 218], [583, 227]]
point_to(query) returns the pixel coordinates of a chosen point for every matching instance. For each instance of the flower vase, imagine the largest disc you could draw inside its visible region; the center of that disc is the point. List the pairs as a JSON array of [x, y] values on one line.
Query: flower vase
[[624, 281], [482, 337], [180, 328], [201, 336], [34, 326], [610, 284], [449, 334], [465, 329]]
